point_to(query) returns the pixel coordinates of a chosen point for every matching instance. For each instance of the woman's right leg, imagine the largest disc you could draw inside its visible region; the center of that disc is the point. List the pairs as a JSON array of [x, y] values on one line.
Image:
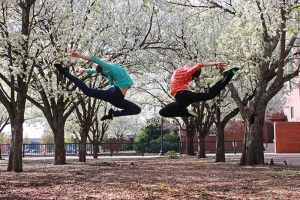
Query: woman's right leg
[[185, 98], [188, 97], [174, 110], [105, 95]]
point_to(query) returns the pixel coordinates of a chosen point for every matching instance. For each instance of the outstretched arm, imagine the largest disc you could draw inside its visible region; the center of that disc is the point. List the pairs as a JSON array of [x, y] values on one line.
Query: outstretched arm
[[211, 62], [77, 55], [80, 70], [88, 71], [85, 57], [93, 59], [197, 66], [218, 64]]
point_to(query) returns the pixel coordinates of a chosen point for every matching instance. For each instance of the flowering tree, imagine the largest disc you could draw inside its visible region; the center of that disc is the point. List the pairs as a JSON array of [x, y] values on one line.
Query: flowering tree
[[262, 34], [192, 35], [17, 64], [57, 97], [256, 36]]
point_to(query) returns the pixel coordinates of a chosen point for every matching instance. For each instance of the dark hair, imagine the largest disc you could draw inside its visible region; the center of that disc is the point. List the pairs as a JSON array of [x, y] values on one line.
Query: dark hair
[[197, 73], [99, 69]]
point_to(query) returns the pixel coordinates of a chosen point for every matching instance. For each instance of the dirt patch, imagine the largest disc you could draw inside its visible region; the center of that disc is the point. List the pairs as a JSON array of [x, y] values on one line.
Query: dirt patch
[[152, 178]]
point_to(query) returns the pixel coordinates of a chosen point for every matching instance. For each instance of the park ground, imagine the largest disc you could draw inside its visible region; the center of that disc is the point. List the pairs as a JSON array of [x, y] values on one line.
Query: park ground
[[149, 178]]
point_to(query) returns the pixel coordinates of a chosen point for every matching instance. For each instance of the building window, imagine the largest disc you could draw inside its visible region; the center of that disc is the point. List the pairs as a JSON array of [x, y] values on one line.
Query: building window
[[292, 113]]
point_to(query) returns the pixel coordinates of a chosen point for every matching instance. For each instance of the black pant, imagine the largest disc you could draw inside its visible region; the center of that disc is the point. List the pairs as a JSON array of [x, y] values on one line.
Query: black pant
[[112, 95], [184, 98]]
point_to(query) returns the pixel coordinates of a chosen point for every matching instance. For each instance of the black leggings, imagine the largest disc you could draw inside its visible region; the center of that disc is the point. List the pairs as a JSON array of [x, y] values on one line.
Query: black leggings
[[184, 98], [112, 95]]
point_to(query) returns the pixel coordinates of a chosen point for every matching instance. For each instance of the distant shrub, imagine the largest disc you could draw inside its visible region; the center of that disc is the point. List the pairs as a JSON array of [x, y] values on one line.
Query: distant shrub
[[171, 155], [153, 137]]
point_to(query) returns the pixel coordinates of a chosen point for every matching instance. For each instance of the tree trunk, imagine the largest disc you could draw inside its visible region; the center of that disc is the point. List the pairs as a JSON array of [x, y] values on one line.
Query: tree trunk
[[242, 160], [10, 157], [201, 147], [84, 134], [190, 132], [96, 149], [15, 155], [18, 140], [253, 151], [59, 146], [190, 143], [220, 148], [82, 151]]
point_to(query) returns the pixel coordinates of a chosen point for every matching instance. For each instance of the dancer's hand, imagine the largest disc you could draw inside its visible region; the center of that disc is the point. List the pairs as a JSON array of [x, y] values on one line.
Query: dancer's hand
[[77, 55], [73, 54], [80, 70], [221, 64]]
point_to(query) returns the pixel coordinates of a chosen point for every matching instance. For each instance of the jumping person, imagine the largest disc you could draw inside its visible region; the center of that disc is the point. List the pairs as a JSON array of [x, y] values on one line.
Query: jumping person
[[117, 77], [183, 94]]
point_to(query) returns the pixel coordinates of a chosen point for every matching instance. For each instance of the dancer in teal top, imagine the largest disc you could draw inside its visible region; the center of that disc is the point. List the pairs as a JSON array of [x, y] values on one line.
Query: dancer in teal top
[[117, 77]]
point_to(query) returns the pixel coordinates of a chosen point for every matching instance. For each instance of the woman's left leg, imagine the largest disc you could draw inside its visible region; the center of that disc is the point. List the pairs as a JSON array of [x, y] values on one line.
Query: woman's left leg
[[128, 107], [174, 109]]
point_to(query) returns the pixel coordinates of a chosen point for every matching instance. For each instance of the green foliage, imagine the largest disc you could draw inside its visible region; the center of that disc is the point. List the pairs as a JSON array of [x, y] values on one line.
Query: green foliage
[[47, 138], [150, 132], [127, 147], [145, 6], [171, 155], [149, 140], [4, 138], [69, 140]]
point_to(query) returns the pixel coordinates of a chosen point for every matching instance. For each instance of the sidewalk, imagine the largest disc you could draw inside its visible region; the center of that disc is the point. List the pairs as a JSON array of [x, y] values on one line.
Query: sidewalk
[[282, 159], [278, 158]]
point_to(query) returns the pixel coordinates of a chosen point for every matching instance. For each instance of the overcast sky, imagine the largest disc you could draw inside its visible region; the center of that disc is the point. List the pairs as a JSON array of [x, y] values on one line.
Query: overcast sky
[[30, 131]]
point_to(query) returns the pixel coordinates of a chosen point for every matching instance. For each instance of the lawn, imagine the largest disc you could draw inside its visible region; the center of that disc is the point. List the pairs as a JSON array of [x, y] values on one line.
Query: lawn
[[150, 178]]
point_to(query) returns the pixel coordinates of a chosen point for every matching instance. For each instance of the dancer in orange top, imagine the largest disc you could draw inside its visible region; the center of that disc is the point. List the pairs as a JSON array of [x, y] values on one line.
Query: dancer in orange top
[[183, 94]]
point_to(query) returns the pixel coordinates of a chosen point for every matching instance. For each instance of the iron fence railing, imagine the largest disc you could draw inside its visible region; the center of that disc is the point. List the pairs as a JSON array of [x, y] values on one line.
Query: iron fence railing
[[117, 148]]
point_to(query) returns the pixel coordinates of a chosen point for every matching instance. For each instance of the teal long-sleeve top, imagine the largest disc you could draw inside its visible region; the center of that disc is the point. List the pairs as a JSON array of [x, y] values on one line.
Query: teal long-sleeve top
[[116, 75]]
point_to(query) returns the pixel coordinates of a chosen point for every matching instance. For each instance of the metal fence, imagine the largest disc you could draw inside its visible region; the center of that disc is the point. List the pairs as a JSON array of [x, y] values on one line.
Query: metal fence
[[116, 148]]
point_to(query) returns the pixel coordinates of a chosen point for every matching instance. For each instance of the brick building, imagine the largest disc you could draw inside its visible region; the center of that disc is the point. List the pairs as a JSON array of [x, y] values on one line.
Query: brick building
[[234, 135]]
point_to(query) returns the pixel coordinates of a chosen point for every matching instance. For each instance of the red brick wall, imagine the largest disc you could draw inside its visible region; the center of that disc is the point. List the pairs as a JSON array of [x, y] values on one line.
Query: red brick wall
[[111, 144], [287, 137], [234, 131]]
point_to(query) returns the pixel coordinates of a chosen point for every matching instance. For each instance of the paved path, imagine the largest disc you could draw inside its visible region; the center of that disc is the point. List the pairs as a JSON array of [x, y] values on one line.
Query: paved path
[[284, 158], [278, 158]]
